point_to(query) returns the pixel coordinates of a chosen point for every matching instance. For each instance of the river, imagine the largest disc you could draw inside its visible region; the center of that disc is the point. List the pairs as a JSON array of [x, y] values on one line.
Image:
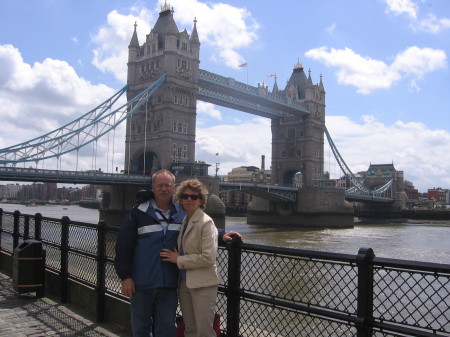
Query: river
[[426, 242]]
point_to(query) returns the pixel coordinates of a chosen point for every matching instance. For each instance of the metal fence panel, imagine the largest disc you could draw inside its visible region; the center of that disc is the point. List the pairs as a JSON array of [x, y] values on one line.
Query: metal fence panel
[[268, 291]]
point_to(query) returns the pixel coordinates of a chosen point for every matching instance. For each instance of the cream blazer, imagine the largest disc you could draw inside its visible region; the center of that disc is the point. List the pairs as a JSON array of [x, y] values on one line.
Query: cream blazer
[[200, 250]]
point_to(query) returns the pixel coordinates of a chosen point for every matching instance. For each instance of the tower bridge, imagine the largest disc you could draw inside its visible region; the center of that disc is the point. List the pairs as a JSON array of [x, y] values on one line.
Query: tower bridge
[[164, 83]]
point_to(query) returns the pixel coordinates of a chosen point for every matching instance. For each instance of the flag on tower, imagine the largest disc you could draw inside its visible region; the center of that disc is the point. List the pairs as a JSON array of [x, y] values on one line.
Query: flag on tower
[[273, 75], [243, 64]]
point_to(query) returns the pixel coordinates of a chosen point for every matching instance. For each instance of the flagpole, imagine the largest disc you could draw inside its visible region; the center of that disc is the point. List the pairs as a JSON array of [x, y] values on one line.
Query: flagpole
[[247, 73], [246, 66]]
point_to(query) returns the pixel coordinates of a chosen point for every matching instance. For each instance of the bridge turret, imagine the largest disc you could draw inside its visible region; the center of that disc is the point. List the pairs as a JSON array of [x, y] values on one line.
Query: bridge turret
[[195, 41], [298, 81], [309, 88], [275, 89]]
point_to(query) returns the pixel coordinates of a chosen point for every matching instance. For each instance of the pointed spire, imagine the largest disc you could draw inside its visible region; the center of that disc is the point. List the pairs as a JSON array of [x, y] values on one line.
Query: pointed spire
[[321, 84], [165, 7], [309, 77], [275, 87], [134, 39], [194, 35], [298, 65]]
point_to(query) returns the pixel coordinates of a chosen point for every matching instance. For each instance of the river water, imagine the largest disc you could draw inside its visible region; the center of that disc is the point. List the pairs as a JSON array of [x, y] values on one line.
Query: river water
[[412, 241]]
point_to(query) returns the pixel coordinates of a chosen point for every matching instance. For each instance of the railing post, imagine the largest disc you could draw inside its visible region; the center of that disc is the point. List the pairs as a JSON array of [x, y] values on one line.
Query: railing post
[[101, 266], [233, 291], [38, 226], [26, 228], [64, 272], [1, 227], [364, 318], [16, 232]]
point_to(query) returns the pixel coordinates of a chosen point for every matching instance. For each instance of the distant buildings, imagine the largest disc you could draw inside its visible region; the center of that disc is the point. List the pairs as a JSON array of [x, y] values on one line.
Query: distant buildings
[[438, 197], [47, 192]]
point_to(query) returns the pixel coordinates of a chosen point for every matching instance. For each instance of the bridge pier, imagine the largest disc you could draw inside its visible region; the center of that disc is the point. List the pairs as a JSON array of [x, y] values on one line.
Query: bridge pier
[[315, 207], [117, 201], [382, 212]]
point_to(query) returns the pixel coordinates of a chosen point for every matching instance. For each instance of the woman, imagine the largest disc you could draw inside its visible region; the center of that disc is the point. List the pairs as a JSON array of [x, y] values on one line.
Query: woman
[[196, 259]]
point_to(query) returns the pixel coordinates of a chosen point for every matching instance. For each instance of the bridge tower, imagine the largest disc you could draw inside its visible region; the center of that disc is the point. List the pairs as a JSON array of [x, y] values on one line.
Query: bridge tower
[[161, 135], [298, 141], [163, 132]]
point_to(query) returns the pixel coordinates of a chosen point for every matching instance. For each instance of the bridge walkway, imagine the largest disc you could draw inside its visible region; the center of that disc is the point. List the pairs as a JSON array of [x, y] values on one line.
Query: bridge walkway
[[25, 315]]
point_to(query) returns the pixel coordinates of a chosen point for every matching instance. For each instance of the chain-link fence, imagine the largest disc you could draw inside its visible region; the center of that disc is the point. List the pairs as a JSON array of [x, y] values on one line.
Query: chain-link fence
[[265, 291]]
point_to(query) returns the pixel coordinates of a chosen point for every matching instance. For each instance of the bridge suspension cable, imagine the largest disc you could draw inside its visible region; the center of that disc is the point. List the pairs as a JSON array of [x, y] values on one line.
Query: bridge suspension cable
[[358, 186], [345, 169], [80, 132]]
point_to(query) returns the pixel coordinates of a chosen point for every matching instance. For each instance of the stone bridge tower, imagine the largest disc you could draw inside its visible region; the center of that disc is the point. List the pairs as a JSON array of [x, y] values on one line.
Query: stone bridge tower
[[163, 132], [298, 141]]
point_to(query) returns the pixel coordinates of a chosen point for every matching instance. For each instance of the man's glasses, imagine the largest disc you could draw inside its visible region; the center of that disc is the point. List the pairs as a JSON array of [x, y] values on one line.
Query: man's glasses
[[160, 186], [192, 196]]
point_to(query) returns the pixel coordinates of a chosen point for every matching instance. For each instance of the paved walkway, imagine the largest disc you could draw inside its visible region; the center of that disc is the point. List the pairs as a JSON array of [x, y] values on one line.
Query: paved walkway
[[26, 315]]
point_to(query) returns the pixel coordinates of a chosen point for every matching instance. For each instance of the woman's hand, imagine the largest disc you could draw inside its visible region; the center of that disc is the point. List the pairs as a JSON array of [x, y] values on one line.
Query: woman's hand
[[169, 255], [227, 237]]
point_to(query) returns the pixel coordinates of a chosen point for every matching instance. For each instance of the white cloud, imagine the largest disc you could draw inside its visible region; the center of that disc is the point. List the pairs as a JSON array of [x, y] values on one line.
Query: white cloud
[[330, 30], [421, 153], [368, 74], [399, 7], [432, 24], [419, 61], [237, 145], [113, 39], [204, 108], [226, 28]]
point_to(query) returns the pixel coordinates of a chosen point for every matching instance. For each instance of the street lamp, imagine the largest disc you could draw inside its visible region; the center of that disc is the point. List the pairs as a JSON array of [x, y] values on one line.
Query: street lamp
[[217, 164]]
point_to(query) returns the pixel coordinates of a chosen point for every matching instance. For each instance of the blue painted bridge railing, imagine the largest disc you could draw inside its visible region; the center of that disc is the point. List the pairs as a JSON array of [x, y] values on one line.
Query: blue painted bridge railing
[[266, 291]]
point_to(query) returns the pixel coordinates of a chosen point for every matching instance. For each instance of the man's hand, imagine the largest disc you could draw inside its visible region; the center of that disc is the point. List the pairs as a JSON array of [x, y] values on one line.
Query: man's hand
[[229, 236], [128, 287]]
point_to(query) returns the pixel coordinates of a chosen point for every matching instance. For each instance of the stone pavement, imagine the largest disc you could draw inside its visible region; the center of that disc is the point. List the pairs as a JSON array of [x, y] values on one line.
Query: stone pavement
[[25, 315]]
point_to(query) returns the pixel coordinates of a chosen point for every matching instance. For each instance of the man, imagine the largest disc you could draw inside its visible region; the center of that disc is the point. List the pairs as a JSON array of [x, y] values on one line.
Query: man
[[150, 283]]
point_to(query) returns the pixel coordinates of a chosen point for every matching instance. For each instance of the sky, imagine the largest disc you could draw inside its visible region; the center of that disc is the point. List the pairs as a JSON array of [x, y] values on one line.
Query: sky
[[384, 65]]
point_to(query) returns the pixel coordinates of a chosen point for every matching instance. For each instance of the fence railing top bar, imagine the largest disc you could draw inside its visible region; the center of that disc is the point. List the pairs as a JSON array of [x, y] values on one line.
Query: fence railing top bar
[[412, 265], [294, 252], [71, 222]]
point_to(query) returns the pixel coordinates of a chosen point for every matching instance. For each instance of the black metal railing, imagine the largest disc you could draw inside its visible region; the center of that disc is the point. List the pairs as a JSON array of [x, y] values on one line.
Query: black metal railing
[[266, 291]]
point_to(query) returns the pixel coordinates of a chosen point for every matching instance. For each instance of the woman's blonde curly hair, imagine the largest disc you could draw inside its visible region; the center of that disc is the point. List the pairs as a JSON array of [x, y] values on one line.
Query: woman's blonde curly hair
[[195, 185]]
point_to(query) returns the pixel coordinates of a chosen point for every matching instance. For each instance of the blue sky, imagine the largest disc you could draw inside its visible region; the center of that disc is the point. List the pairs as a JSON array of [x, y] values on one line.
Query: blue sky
[[384, 65]]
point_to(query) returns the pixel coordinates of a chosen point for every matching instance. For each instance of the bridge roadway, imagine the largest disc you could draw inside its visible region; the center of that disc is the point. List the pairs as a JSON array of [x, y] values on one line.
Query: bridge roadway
[[270, 192], [228, 92], [102, 178], [71, 177]]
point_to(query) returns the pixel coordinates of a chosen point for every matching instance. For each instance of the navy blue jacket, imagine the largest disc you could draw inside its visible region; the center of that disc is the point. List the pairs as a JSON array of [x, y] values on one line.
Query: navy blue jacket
[[141, 238]]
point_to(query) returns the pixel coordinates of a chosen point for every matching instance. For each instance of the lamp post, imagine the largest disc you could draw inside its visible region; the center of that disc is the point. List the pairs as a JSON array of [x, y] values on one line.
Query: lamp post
[[217, 164]]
